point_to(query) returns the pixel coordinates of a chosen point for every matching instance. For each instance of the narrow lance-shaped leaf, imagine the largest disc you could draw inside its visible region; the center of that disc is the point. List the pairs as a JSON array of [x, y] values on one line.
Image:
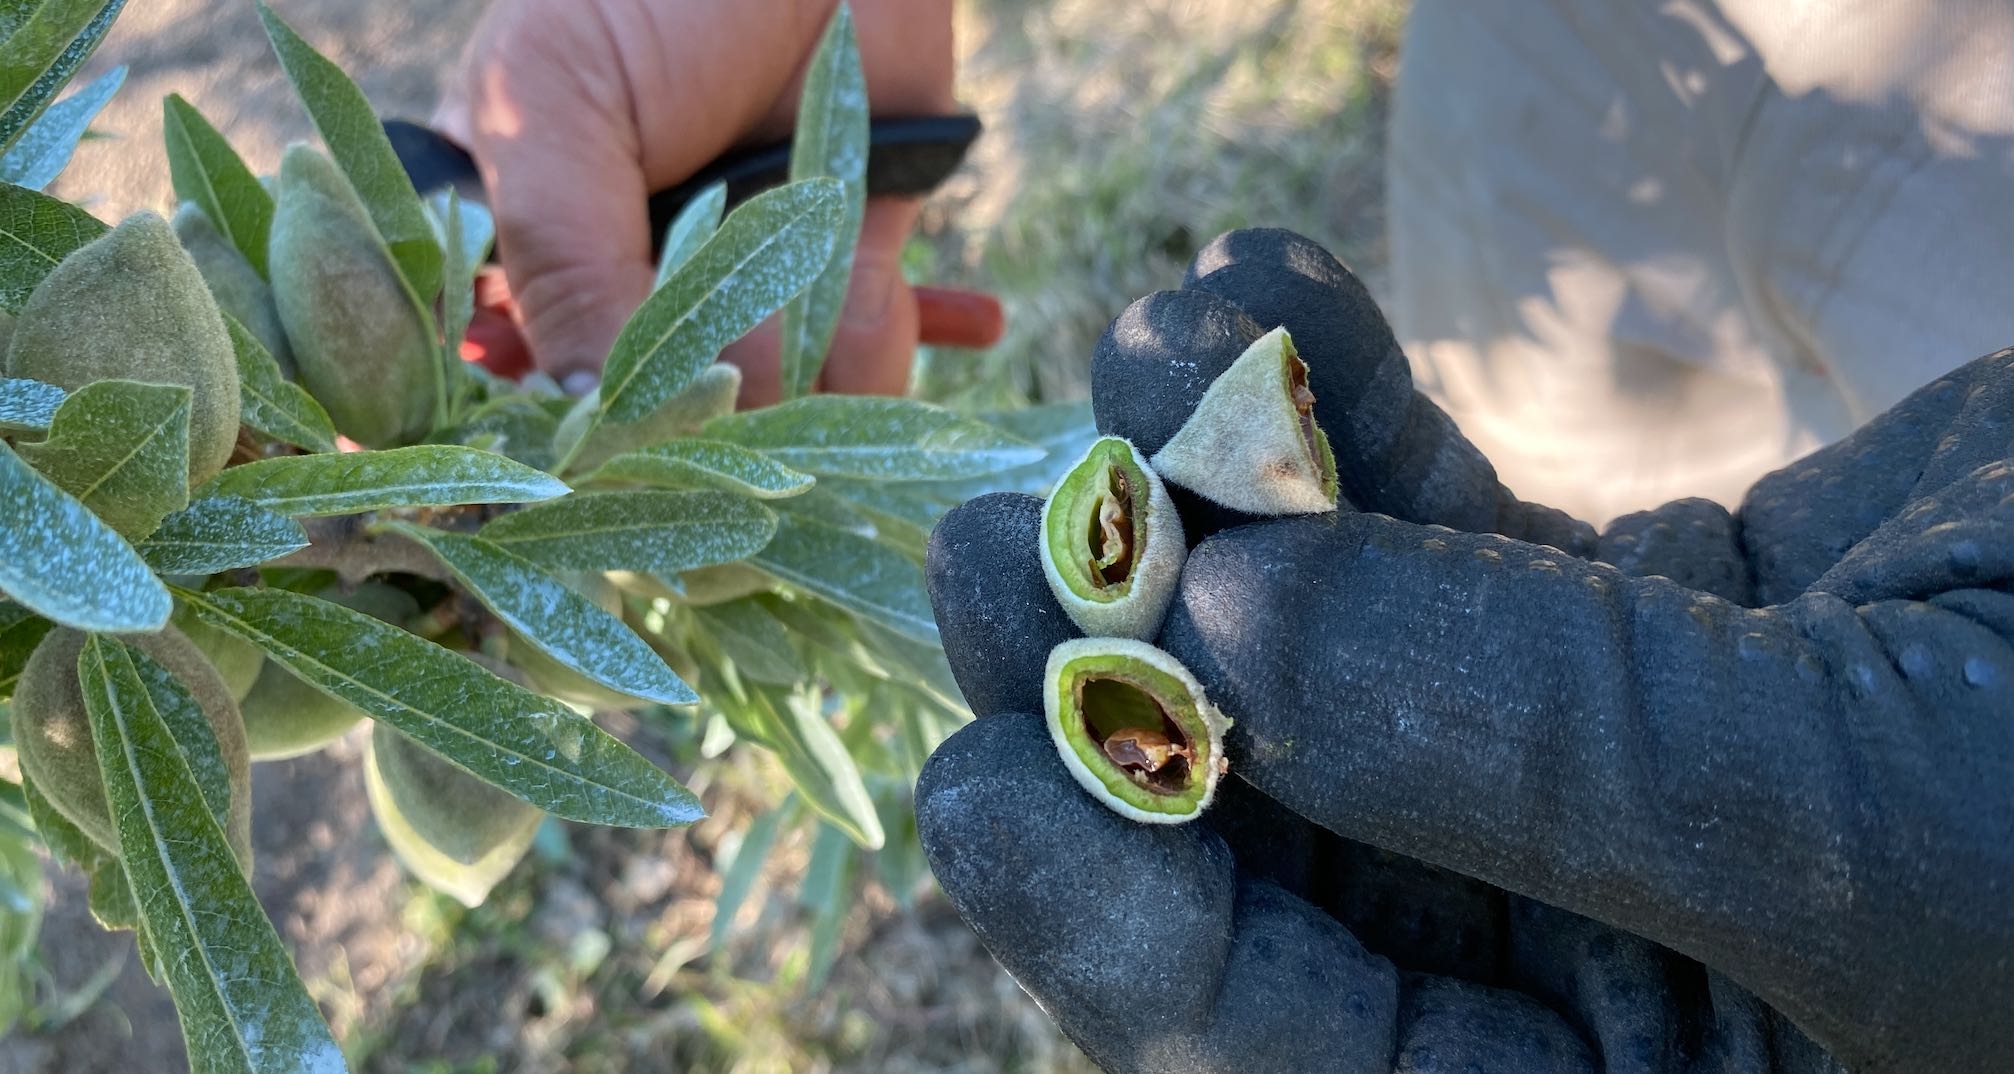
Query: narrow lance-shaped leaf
[[357, 141], [428, 475], [270, 403], [696, 463], [831, 141], [651, 531], [183, 718], [695, 223], [28, 405], [874, 438], [817, 762], [854, 572], [220, 534], [36, 232], [766, 251], [60, 561], [43, 151], [823, 892], [206, 170], [39, 57], [740, 877], [533, 747], [561, 623], [242, 1005], [122, 448], [465, 232]]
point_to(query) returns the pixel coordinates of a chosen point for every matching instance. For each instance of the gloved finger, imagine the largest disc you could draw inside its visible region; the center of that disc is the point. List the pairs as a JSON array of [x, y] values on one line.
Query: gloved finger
[[1153, 953], [995, 613], [998, 620], [1707, 776], [1396, 452]]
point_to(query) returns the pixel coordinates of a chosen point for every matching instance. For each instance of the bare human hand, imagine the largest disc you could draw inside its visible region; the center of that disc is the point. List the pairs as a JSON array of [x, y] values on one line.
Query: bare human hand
[[577, 109]]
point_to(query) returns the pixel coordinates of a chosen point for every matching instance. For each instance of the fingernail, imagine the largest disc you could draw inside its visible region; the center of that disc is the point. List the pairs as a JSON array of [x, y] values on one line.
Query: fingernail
[[579, 382], [868, 296]]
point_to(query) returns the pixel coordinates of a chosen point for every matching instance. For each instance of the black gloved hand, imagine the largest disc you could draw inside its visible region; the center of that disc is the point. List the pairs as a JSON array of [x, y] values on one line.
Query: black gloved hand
[[1769, 757]]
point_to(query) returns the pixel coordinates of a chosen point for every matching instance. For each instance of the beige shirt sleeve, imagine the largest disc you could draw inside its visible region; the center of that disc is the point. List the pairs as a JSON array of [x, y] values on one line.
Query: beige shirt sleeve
[[1649, 250]]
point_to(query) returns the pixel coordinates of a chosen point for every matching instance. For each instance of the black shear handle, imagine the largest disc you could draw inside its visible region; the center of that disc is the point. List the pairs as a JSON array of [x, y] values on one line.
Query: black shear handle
[[905, 156]]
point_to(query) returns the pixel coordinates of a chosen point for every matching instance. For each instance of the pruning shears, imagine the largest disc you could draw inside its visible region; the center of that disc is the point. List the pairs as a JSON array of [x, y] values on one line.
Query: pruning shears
[[906, 156]]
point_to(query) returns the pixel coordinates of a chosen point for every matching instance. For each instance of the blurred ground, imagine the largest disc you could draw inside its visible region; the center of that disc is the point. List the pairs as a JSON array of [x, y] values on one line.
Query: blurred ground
[[1120, 138]]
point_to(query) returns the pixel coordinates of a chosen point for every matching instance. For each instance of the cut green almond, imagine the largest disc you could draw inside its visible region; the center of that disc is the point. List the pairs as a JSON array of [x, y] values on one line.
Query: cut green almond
[[1253, 443], [1134, 728], [1112, 543]]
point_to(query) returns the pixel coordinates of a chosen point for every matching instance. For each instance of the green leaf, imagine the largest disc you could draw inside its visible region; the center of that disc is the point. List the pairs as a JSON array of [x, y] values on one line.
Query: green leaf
[[821, 505], [20, 631], [28, 405], [695, 223], [122, 448], [823, 892], [650, 531], [816, 761], [900, 515], [43, 151], [1064, 430], [269, 402], [45, 49], [357, 141], [465, 232], [220, 534], [207, 171], [428, 475], [857, 573], [735, 884], [186, 723], [517, 426], [561, 623], [874, 438], [695, 463], [60, 561], [36, 232], [243, 1007], [831, 141], [755, 640], [765, 252], [530, 746]]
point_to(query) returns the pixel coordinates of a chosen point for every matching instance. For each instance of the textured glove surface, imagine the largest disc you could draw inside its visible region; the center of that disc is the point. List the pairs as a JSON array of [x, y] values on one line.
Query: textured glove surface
[[1686, 795]]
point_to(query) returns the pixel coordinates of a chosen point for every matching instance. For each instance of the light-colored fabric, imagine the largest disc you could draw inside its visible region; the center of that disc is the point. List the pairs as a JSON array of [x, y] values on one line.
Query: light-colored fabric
[[1644, 250]]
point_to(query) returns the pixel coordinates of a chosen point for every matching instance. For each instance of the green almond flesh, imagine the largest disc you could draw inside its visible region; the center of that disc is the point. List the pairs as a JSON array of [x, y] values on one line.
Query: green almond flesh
[[1105, 694], [1075, 530]]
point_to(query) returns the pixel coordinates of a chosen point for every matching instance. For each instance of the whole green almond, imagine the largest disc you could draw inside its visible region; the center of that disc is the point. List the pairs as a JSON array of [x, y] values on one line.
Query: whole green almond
[[362, 346], [285, 717], [455, 832], [131, 305], [238, 288], [52, 732]]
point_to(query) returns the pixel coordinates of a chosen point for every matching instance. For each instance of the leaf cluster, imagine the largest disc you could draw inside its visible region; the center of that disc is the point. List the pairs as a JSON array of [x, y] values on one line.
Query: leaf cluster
[[743, 578]]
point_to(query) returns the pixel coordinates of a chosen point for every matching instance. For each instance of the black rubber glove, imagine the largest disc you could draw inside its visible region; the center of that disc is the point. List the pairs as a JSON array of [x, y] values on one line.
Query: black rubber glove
[[1769, 757]]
